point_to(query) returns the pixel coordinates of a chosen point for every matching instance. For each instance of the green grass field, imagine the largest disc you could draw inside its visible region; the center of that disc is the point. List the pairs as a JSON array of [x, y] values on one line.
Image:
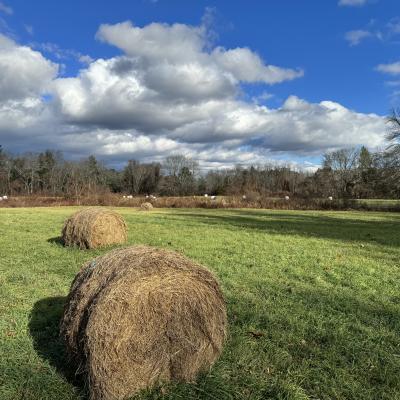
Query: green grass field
[[313, 301]]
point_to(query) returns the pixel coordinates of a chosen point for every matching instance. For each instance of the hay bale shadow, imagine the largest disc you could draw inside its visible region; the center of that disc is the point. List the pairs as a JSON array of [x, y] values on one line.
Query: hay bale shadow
[[44, 327], [56, 240]]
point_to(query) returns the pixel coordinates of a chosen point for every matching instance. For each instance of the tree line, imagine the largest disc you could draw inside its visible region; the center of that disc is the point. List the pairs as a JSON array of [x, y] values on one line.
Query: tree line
[[345, 173]]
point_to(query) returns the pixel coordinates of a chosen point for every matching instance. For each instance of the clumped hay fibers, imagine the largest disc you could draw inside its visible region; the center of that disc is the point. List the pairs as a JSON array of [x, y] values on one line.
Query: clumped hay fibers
[[146, 206], [140, 316], [94, 227]]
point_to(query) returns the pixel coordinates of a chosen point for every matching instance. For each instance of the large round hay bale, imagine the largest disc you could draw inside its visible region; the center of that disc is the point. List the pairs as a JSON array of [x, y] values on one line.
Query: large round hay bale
[[94, 227], [140, 316], [146, 206]]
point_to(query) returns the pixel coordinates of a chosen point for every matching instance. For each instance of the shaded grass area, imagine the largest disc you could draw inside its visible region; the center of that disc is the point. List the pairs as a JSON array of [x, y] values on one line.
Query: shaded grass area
[[318, 225], [313, 301]]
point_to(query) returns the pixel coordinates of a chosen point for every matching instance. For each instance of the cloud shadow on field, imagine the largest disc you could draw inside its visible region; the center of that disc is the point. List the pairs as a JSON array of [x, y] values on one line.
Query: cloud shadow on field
[[381, 232]]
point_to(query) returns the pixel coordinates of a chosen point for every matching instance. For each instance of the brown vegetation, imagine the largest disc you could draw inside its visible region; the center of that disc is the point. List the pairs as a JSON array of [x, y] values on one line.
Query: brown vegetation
[[252, 201], [140, 316]]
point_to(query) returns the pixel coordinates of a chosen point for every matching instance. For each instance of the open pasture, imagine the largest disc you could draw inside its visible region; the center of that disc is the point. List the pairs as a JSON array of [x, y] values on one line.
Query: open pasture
[[313, 301]]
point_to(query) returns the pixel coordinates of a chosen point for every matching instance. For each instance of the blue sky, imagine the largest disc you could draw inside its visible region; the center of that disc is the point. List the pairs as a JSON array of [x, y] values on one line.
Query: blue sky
[[340, 54]]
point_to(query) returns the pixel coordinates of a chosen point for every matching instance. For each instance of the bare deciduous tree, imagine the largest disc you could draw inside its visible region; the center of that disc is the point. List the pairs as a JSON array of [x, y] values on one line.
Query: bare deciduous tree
[[343, 162]]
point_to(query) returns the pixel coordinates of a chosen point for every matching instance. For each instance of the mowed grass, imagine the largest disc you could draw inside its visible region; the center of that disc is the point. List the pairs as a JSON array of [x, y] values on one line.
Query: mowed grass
[[313, 301]]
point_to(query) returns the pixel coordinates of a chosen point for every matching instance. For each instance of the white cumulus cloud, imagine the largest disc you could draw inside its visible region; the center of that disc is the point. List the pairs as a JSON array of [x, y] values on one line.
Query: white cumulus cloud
[[169, 92], [247, 66], [181, 44], [23, 71]]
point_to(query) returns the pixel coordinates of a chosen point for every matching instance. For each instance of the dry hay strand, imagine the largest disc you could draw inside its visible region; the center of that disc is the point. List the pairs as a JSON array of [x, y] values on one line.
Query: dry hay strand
[[146, 206], [94, 227], [141, 316]]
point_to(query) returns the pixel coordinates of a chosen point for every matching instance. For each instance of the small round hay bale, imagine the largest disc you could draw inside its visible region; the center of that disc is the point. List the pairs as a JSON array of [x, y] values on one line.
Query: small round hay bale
[[146, 206], [94, 227], [140, 316]]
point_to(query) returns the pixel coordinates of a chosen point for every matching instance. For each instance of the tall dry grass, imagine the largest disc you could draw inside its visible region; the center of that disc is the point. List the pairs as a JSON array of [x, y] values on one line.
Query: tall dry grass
[[253, 201]]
